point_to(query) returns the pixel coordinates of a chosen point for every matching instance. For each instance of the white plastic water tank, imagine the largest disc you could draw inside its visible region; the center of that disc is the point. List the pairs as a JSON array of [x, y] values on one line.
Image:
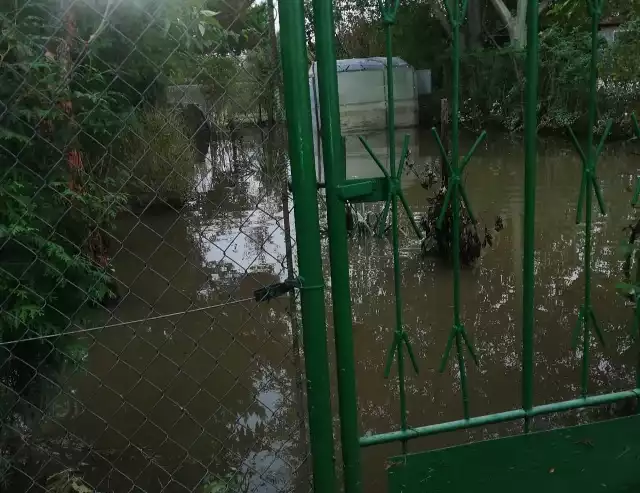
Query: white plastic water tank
[[362, 88]]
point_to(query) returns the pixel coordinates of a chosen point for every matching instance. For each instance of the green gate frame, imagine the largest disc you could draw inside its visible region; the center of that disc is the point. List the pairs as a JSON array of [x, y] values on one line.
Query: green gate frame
[[514, 458]]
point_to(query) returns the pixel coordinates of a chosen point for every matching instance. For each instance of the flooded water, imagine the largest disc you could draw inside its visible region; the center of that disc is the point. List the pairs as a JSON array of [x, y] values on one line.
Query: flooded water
[[166, 402]]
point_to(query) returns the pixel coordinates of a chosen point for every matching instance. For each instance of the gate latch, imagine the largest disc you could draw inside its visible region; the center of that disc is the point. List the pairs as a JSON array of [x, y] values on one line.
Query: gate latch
[[276, 289]]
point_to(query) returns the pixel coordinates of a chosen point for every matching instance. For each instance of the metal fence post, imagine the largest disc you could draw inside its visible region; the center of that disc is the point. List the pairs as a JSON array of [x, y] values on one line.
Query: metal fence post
[[332, 152], [303, 177], [530, 164]]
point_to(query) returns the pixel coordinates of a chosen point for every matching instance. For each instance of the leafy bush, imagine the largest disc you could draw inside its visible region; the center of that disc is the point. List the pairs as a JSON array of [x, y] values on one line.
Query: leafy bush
[[160, 159], [492, 81], [50, 212], [490, 87]]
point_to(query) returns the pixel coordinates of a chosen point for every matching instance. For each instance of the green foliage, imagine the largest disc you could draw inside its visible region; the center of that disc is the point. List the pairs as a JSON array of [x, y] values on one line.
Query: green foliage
[[572, 13], [622, 64], [492, 81], [414, 37], [234, 482], [45, 275], [564, 76], [490, 89], [48, 277], [67, 481], [82, 93], [492, 77], [160, 158], [418, 37]]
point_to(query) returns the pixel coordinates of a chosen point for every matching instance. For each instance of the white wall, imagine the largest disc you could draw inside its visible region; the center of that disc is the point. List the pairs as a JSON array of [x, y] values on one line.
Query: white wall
[[363, 96]]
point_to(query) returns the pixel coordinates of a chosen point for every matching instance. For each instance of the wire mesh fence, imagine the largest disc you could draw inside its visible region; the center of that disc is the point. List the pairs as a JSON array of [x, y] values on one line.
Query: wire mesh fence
[[144, 222]]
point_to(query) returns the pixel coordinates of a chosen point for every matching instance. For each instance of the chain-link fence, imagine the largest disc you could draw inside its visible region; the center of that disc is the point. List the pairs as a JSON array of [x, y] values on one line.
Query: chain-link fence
[[144, 229]]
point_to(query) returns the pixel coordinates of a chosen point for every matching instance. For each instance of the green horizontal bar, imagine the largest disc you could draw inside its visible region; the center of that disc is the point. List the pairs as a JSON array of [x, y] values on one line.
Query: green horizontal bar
[[422, 431], [589, 401], [489, 419], [357, 189]]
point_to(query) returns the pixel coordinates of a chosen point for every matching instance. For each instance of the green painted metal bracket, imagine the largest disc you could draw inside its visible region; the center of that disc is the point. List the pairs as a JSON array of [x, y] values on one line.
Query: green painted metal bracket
[[458, 333], [455, 17], [455, 178], [359, 190], [388, 11], [393, 187], [586, 317], [594, 7], [400, 338], [589, 162]]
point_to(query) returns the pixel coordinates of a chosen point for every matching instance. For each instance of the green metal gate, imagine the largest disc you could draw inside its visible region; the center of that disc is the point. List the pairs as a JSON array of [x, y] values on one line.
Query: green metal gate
[[595, 457]]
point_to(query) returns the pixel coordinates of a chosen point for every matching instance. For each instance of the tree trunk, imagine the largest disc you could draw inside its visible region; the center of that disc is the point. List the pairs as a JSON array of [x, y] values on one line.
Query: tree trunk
[[519, 38], [517, 25], [474, 25]]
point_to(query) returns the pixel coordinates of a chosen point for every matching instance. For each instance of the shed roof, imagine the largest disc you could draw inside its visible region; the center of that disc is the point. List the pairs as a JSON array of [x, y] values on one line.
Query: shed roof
[[362, 64]]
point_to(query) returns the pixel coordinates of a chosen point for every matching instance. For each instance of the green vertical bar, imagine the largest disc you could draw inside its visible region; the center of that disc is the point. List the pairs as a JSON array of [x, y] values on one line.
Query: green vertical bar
[[530, 166], [591, 157], [636, 331], [455, 157], [303, 178], [454, 195], [395, 240], [456, 17], [338, 247]]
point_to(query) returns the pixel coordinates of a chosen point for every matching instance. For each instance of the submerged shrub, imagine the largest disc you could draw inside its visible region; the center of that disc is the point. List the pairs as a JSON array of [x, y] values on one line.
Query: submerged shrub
[[160, 159]]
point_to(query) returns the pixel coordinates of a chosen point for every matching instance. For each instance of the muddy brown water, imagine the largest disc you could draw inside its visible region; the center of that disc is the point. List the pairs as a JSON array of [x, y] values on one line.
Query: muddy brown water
[[163, 403]]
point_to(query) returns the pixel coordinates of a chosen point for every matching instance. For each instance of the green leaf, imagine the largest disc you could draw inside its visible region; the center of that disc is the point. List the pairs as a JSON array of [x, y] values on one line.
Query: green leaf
[[209, 13], [6, 134]]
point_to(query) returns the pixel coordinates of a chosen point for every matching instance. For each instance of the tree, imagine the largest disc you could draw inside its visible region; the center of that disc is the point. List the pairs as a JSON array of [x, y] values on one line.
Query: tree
[[516, 23], [570, 13]]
